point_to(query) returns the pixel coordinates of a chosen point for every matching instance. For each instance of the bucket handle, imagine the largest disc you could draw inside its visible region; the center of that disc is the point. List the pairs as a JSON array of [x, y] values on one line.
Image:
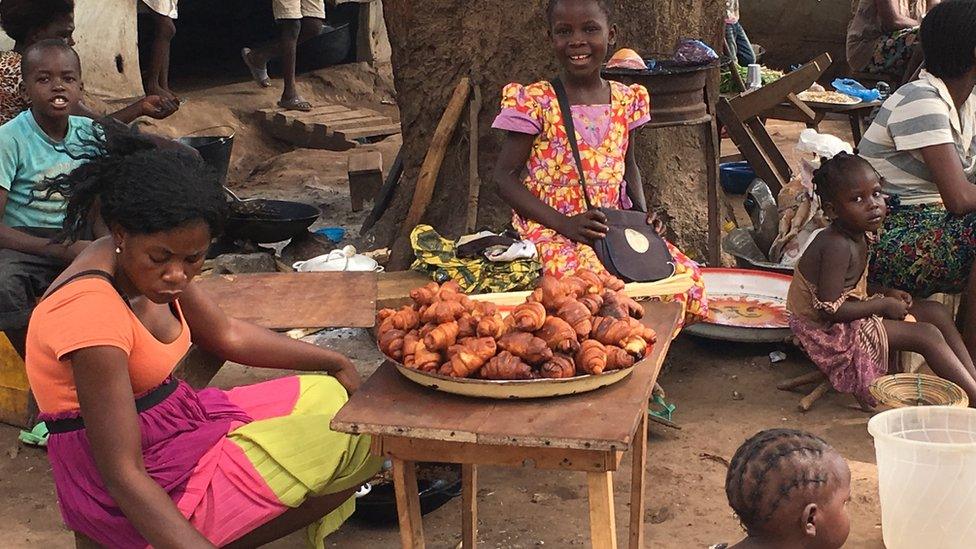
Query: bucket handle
[[233, 131]]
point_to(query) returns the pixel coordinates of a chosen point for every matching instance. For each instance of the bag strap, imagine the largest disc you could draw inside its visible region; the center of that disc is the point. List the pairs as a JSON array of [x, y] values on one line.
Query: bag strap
[[567, 114]]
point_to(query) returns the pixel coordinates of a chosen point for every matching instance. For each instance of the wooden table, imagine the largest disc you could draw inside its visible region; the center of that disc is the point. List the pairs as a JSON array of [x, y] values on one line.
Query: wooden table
[[855, 113], [588, 433]]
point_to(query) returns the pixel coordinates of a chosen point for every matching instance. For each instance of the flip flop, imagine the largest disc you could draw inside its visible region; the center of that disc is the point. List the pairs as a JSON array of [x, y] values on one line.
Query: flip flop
[[260, 75], [36, 436], [296, 104]]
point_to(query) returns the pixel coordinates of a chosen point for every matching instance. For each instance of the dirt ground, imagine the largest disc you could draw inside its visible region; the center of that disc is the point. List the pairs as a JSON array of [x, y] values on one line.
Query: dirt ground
[[724, 392]]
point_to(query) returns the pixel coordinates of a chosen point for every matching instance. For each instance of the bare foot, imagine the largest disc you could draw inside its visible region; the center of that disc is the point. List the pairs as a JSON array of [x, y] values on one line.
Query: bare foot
[[259, 70]]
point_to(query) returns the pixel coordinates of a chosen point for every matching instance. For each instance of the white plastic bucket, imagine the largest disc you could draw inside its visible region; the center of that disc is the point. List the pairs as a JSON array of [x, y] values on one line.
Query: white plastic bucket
[[926, 476]]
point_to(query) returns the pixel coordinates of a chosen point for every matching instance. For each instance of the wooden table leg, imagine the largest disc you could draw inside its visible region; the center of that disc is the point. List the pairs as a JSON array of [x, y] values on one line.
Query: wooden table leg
[[469, 506], [408, 504], [638, 473], [602, 523]]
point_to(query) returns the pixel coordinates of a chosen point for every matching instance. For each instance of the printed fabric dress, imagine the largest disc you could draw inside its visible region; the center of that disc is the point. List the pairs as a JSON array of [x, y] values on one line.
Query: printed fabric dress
[[851, 354], [603, 133], [229, 460]]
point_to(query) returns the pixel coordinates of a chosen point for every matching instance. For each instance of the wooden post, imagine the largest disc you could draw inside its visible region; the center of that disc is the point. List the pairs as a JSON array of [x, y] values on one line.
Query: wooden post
[[408, 504], [603, 533], [637, 476], [469, 506], [474, 182]]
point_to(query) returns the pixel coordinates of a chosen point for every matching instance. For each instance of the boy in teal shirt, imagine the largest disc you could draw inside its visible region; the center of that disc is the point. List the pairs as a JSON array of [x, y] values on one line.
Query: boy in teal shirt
[[39, 143]]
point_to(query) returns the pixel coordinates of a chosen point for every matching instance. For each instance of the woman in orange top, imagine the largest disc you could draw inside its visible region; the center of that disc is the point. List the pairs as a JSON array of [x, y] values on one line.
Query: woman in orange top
[[139, 458]]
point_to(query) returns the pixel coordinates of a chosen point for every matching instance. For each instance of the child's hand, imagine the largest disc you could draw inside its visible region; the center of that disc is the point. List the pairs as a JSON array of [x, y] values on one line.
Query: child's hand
[[586, 227], [654, 221], [899, 294], [894, 308], [158, 107]]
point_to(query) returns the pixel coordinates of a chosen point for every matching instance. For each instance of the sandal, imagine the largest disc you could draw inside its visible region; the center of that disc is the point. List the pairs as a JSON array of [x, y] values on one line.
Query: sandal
[[295, 104], [259, 74], [665, 412]]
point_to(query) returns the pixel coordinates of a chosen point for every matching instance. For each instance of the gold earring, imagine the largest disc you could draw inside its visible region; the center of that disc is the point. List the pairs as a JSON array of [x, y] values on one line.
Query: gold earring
[[118, 250]]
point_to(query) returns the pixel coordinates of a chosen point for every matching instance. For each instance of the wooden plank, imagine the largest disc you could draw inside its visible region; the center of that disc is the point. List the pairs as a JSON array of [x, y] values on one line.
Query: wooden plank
[[438, 451], [369, 131], [318, 112], [408, 504], [282, 301], [772, 94], [360, 123], [807, 113], [603, 533], [325, 119], [637, 476], [469, 506], [474, 182], [606, 419]]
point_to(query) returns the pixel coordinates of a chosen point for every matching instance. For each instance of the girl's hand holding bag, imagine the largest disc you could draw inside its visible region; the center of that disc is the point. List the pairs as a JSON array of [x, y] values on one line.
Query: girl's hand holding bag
[[632, 249]]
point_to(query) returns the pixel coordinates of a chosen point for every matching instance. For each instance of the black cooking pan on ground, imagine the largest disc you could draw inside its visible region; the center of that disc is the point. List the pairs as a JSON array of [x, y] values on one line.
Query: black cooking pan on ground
[[264, 221]]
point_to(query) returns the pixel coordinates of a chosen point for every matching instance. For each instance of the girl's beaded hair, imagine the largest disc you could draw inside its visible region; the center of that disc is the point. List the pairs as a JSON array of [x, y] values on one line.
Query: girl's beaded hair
[[605, 7], [769, 469], [830, 176]]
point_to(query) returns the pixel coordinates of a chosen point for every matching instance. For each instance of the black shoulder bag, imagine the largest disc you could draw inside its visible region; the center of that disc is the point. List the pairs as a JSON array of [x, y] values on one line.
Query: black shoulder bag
[[632, 249]]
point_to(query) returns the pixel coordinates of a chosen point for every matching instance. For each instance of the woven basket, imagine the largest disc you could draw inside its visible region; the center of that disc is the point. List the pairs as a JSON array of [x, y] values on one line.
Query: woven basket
[[901, 390]]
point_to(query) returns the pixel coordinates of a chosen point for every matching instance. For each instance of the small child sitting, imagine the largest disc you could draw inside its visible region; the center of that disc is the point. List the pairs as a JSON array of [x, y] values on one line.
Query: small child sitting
[[847, 332], [42, 142], [789, 489]]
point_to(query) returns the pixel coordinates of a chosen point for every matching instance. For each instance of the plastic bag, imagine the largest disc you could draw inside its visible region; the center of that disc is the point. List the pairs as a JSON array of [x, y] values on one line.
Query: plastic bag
[[692, 52], [854, 88]]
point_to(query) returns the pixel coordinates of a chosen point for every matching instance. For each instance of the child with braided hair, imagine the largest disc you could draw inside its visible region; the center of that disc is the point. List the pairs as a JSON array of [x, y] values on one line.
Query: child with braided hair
[[789, 489], [846, 330]]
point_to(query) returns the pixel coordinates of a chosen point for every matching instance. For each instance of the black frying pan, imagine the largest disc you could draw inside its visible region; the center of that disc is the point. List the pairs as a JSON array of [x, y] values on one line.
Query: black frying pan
[[265, 221]]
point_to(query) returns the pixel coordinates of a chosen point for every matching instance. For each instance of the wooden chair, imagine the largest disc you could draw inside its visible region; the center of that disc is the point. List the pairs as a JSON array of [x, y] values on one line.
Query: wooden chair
[[742, 117]]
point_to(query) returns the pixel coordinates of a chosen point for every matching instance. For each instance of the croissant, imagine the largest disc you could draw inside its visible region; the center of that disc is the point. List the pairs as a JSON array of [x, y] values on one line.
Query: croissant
[[424, 359], [535, 296], [592, 279], [505, 365], [391, 343], [619, 305], [528, 317], [467, 326], [576, 285], [635, 345], [578, 316], [554, 292], [561, 366], [410, 341], [558, 335], [593, 302], [592, 357], [443, 311], [442, 336], [618, 359], [384, 314], [405, 319], [638, 328], [485, 308], [526, 346], [469, 357], [425, 294], [611, 282], [610, 331], [491, 326]]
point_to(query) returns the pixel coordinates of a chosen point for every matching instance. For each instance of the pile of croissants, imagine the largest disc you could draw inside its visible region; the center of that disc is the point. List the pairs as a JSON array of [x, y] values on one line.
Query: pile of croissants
[[575, 325]]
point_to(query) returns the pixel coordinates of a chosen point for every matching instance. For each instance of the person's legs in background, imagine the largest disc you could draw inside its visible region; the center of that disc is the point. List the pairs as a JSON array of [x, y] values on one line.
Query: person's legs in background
[[743, 47], [158, 81], [730, 47]]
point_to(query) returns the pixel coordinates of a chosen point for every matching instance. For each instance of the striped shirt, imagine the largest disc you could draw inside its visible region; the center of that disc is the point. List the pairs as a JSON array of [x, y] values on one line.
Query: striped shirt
[[920, 114]]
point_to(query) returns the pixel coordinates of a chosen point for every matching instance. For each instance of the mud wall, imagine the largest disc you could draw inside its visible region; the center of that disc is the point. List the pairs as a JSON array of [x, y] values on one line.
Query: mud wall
[[795, 32], [436, 42]]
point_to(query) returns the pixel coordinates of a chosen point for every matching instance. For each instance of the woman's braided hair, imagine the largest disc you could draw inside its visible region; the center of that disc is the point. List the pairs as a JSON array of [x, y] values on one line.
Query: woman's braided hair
[[833, 173], [145, 189], [605, 7], [948, 38], [19, 18], [769, 469]]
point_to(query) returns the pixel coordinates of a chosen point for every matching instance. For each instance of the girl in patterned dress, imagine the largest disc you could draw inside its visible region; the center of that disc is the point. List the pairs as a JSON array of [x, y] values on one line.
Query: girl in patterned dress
[[549, 206], [846, 331]]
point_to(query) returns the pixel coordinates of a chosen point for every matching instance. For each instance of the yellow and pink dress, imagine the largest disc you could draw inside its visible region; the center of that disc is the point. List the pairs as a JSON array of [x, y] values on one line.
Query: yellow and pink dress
[[230, 460], [603, 134]]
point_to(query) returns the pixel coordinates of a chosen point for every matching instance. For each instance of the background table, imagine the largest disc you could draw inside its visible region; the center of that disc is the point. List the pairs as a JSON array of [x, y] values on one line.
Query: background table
[[588, 433]]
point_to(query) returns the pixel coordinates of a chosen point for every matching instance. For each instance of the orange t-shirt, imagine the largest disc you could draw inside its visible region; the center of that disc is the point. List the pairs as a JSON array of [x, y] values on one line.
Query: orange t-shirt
[[89, 312]]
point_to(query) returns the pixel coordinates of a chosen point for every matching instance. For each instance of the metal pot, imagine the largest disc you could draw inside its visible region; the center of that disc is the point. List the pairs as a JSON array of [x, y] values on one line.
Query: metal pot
[[267, 221]]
